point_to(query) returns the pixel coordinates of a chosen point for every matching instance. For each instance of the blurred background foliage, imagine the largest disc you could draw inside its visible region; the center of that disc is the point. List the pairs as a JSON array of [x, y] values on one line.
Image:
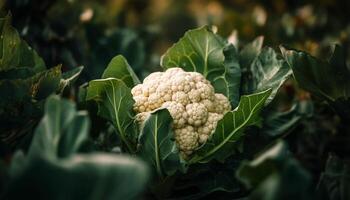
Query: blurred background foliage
[[90, 33]]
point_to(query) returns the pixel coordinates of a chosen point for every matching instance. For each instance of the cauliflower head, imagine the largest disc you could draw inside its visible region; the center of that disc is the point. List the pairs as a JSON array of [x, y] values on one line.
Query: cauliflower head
[[191, 101]]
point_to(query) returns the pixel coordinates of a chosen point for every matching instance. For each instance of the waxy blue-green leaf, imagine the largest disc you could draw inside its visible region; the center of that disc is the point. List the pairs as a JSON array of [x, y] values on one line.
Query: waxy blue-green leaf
[[119, 68], [230, 129], [158, 146], [115, 103], [203, 51]]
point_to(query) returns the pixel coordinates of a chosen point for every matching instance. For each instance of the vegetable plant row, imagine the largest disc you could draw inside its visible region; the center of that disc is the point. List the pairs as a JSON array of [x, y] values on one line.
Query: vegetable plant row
[[204, 126]]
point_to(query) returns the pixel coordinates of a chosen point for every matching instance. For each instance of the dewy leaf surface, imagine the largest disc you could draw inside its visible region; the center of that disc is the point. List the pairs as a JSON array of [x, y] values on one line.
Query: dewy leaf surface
[[158, 146], [203, 51], [119, 68], [230, 129], [115, 104]]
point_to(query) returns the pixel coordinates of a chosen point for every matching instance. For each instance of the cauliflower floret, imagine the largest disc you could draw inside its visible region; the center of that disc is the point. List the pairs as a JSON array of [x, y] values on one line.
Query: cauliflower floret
[[155, 101], [141, 104], [191, 101], [181, 82], [194, 95], [177, 112], [197, 114], [206, 91], [141, 117], [150, 87], [153, 76], [181, 97], [222, 104], [137, 90], [209, 126], [209, 105], [187, 139]]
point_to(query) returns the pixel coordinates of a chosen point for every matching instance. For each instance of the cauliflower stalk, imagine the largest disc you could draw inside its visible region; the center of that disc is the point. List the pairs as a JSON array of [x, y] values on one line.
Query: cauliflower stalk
[[191, 101]]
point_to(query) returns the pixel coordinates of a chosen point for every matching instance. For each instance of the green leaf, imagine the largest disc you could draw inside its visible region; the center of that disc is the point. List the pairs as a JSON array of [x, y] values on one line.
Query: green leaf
[[46, 82], [269, 72], [21, 102], [203, 51], [119, 68], [61, 130], [93, 176], [275, 175], [69, 77], [250, 52], [230, 129], [15, 52], [115, 103], [158, 146], [334, 181], [52, 161], [328, 80], [277, 124], [262, 69], [203, 180]]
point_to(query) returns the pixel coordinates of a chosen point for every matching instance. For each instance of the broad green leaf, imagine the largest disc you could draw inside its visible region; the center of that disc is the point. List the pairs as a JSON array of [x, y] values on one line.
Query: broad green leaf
[[277, 124], [15, 52], [46, 83], [90, 176], [269, 71], [203, 51], [247, 56], [275, 175], [230, 129], [250, 52], [52, 161], [328, 80], [158, 146], [21, 103], [61, 130], [228, 82], [119, 68], [115, 103], [262, 69]]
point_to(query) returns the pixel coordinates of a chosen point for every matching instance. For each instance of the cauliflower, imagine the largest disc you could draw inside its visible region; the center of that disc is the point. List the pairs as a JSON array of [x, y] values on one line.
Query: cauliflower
[[191, 101]]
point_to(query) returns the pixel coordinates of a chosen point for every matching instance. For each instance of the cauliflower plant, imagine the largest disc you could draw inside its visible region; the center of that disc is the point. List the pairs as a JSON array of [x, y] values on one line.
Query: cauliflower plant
[[191, 101]]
